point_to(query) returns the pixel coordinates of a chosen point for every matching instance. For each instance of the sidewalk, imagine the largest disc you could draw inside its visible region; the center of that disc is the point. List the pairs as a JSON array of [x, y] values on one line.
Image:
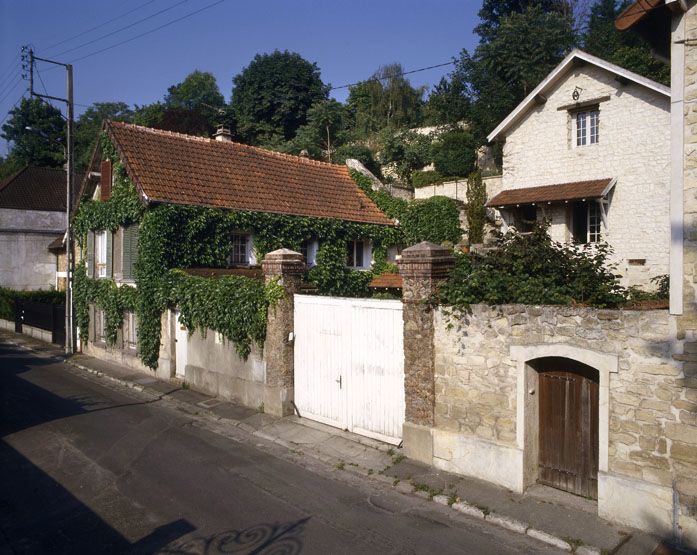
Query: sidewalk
[[554, 517]]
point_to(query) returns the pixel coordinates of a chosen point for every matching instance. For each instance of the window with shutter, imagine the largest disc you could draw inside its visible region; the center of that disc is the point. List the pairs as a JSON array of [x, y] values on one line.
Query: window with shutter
[[130, 251], [109, 254], [89, 257]]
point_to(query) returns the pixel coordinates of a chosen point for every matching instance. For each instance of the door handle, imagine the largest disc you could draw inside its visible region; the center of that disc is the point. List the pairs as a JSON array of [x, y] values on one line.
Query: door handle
[[339, 382]]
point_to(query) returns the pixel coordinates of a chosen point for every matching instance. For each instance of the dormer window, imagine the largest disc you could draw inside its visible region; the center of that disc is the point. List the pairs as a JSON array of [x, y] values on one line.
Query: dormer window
[[587, 127]]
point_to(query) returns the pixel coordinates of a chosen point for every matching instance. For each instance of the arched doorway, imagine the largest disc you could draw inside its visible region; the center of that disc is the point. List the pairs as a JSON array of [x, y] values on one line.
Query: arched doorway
[[567, 425]]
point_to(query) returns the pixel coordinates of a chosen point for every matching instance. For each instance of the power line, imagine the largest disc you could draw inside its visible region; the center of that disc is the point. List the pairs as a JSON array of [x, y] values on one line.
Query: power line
[[391, 76], [8, 74], [85, 32], [120, 29], [11, 84], [12, 108], [148, 32], [9, 92]]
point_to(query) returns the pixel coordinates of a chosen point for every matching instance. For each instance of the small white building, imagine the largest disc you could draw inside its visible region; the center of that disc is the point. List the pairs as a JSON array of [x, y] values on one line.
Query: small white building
[[32, 217], [588, 150]]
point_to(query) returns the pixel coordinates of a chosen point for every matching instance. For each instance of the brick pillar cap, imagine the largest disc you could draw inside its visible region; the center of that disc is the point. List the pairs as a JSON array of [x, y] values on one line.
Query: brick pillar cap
[[283, 262], [426, 260]]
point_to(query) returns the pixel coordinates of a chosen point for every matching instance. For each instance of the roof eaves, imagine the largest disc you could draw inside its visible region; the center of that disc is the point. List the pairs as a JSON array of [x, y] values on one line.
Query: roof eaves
[[556, 73], [124, 160]]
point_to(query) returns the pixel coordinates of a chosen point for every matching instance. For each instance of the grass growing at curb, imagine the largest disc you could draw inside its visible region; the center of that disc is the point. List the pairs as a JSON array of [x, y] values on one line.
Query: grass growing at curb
[[340, 465]]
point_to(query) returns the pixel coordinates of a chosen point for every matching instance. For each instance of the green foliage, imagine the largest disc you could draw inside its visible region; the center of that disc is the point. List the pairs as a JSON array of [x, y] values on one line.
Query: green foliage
[[624, 48], [235, 306], [448, 102], [123, 207], [199, 91], [532, 269], [89, 124], [41, 144], [424, 178], [8, 297], [454, 153], [325, 130], [435, 219], [520, 43], [408, 150], [331, 276], [660, 293], [272, 95], [476, 209], [386, 100]]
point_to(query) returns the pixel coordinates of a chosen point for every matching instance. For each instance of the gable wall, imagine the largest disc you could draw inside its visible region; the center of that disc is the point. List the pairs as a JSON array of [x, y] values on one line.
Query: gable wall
[[634, 147]]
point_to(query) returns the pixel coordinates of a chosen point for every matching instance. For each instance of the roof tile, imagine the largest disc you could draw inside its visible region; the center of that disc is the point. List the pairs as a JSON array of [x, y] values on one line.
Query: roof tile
[[576, 190], [34, 188], [182, 169]]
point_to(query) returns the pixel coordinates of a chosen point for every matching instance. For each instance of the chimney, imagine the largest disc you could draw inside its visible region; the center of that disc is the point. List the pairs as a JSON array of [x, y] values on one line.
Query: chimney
[[222, 134]]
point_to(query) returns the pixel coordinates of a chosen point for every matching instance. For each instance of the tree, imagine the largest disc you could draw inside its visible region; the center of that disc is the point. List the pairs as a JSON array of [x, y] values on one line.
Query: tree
[[454, 153], [272, 95], [40, 144], [409, 151], [476, 207], [198, 92], [89, 124], [626, 49], [325, 129], [516, 51], [448, 102], [387, 99]]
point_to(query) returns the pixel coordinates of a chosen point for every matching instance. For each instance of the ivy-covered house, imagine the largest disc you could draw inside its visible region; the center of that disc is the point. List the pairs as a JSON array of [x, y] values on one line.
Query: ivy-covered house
[[162, 212]]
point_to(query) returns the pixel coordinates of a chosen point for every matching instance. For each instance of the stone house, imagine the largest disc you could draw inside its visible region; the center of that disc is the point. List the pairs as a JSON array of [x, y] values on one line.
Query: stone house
[[176, 169], [588, 150], [32, 225]]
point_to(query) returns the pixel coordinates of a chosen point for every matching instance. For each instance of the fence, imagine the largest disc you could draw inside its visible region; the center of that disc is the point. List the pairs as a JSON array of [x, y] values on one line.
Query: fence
[[45, 316]]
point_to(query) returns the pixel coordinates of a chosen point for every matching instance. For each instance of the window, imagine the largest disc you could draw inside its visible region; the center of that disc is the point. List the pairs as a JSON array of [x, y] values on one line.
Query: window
[[129, 251], [100, 254], [586, 222], [309, 249], [239, 249], [99, 326], [587, 127], [130, 331], [357, 254], [525, 218]]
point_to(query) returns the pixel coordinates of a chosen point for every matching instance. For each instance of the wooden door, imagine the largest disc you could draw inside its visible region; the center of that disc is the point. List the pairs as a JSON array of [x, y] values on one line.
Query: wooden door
[[569, 431]]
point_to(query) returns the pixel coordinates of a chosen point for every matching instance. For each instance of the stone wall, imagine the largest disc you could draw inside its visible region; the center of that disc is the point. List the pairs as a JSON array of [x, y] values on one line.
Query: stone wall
[[634, 128], [648, 409]]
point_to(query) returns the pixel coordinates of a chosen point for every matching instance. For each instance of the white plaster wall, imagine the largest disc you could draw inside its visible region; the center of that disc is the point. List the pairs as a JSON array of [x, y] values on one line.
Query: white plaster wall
[[25, 262], [634, 147]]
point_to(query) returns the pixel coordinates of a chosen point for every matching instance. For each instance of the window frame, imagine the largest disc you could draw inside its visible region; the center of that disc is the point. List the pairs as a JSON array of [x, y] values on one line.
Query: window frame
[[130, 331], [586, 126], [309, 248], [353, 257], [247, 239], [100, 253]]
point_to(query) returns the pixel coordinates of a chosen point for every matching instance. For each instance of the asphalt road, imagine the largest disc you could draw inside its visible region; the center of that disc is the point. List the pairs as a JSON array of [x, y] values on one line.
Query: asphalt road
[[89, 466]]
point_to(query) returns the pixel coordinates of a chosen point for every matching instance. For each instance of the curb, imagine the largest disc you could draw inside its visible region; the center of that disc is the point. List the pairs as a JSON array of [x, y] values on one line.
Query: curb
[[461, 506]]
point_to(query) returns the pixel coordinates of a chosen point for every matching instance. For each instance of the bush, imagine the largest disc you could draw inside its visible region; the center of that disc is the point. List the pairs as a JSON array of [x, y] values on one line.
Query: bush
[[9, 296], [424, 178], [436, 219], [408, 150], [476, 207], [454, 153], [532, 269]]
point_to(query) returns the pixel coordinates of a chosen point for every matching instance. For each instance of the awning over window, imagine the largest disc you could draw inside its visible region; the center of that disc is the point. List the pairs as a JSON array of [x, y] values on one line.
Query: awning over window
[[576, 190]]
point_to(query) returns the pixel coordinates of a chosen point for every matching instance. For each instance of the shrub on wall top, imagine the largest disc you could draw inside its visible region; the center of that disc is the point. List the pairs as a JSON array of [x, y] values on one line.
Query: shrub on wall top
[[454, 153]]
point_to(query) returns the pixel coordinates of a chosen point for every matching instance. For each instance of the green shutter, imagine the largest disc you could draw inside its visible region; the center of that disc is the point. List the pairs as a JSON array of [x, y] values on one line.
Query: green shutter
[[109, 251], [130, 251], [90, 254]]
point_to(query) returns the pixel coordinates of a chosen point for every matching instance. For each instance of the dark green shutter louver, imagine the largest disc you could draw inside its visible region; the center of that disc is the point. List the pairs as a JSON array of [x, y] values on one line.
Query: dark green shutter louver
[[130, 251], [90, 254], [109, 251]]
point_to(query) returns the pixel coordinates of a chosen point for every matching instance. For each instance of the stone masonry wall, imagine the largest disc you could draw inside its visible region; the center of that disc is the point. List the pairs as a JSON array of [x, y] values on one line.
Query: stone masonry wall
[[634, 129], [652, 415]]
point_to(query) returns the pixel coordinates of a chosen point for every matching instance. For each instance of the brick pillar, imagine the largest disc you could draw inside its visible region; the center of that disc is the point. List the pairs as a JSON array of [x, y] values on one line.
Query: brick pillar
[[288, 266], [422, 267]]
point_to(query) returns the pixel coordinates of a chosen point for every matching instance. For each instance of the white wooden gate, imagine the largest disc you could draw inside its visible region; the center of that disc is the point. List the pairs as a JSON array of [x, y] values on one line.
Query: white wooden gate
[[349, 364]]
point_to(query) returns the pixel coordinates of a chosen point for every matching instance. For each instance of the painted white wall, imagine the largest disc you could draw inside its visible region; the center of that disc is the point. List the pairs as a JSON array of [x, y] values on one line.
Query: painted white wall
[[25, 261], [634, 147]]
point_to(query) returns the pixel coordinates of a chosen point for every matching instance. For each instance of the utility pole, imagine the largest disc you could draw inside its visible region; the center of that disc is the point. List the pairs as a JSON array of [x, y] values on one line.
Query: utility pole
[[69, 187]]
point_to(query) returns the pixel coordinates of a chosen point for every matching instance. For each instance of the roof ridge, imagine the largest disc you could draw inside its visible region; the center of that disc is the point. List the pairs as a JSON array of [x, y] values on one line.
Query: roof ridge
[[227, 144]]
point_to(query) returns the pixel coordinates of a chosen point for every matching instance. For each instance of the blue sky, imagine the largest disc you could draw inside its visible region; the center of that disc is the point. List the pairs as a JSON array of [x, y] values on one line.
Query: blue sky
[[347, 39]]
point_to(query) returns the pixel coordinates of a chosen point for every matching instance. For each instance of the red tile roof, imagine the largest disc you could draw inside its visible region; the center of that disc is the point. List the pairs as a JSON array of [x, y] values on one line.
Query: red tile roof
[[634, 13], [576, 190], [34, 188], [387, 280], [181, 169]]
